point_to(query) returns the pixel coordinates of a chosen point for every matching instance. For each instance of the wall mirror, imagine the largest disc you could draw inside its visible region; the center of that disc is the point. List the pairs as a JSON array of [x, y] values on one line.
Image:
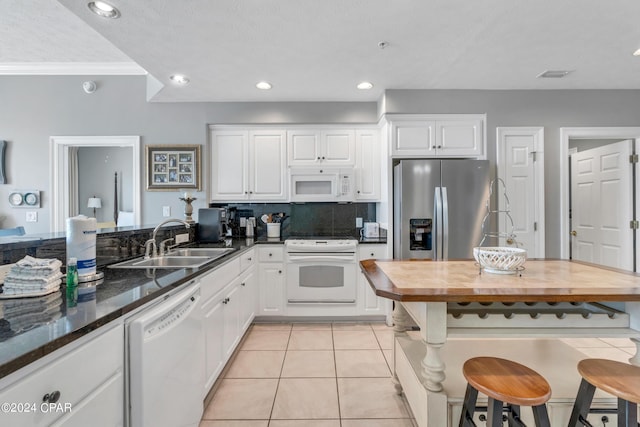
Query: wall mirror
[[66, 197]]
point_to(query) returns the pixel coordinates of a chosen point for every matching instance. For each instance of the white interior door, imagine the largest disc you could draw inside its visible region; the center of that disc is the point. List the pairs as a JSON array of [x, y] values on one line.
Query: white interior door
[[601, 206], [521, 167]]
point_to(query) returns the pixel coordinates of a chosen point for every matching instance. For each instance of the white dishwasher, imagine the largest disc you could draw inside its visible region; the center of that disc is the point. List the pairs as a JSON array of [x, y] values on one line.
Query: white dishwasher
[[166, 363]]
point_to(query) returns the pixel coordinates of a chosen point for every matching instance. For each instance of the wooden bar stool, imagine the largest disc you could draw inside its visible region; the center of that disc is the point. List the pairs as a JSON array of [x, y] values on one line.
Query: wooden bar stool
[[504, 382], [616, 378]]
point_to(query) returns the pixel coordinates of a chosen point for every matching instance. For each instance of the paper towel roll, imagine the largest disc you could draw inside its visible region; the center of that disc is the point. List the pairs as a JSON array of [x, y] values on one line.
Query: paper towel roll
[[81, 243]]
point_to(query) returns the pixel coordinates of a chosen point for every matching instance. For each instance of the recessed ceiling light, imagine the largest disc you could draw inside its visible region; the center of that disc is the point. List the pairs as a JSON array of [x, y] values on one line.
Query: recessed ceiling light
[[263, 85], [103, 9], [365, 85], [179, 79], [554, 74], [636, 53]]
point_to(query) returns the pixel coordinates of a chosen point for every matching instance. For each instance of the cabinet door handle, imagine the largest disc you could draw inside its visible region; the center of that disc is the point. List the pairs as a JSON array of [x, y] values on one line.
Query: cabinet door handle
[[322, 157], [225, 301], [248, 259], [279, 271], [371, 254], [358, 191], [51, 397], [242, 284], [318, 158], [270, 254], [439, 146]]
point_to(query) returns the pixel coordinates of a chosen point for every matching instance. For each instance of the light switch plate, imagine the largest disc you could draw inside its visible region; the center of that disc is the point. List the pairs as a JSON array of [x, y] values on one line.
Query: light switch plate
[[182, 238], [166, 211], [32, 216], [358, 222]]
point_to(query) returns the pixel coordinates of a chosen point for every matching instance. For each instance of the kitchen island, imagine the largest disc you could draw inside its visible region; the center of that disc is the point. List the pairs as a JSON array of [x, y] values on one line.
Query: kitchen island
[[453, 299]]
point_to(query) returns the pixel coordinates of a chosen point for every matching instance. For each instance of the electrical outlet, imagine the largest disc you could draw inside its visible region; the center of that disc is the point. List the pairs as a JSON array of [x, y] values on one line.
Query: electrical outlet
[[358, 222], [32, 216], [182, 238], [166, 211]]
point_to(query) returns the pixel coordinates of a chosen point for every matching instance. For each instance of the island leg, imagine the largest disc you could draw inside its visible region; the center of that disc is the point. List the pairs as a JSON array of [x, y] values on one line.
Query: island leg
[[401, 324], [434, 337], [635, 360]]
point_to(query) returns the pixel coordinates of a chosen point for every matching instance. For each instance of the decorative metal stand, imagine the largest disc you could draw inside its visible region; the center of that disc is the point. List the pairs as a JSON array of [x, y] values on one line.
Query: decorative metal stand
[[188, 209], [510, 238]]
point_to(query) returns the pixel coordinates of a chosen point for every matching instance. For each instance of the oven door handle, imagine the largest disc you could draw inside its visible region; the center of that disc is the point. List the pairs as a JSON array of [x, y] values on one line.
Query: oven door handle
[[311, 258]]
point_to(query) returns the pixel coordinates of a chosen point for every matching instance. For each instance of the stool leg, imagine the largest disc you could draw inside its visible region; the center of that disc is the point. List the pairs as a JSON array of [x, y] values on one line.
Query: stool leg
[[494, 413], [627, 413], [582, 404], [469, 406], [514, 413], [541, 416]]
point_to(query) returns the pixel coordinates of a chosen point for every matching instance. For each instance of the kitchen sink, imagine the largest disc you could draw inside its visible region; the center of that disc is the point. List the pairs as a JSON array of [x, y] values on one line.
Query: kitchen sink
[[177, 258], [165, 262], [208, 252]]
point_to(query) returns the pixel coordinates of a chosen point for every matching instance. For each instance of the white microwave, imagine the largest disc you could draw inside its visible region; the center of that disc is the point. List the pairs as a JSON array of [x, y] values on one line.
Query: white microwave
[[321, 184]]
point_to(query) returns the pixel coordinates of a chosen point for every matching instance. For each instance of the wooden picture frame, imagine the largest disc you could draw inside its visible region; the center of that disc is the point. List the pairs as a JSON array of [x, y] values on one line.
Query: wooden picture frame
[[172, 167]]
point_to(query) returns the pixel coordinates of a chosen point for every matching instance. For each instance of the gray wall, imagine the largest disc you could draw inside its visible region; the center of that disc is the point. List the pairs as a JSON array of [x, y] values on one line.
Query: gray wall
[[33, 108], [551, 109], [96, 176]]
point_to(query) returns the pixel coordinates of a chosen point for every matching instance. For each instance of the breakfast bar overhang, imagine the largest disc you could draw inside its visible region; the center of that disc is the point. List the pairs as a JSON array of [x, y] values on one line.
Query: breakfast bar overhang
[[446, 299]]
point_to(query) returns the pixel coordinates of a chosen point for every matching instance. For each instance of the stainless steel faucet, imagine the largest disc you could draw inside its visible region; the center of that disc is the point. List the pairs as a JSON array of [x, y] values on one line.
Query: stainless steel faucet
[[151, 248]]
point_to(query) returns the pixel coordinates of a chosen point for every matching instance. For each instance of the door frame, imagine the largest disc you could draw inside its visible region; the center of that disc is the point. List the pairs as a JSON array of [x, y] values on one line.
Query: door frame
[[59, 155], [539, 203], [583, 133]]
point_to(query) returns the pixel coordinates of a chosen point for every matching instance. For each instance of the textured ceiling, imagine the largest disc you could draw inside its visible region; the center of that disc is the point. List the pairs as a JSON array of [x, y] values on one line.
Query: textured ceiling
[[318, 50]]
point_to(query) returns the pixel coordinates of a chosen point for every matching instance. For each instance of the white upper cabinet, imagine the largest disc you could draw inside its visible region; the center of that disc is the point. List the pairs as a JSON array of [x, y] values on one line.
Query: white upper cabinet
[[459, 138], [438, 135], [229, 166], [413, 138], [321, 147], [248, 165], [368, 169], [267, 165]]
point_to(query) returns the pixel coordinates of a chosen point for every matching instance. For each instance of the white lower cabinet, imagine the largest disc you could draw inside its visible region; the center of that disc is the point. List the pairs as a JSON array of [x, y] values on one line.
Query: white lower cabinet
[[249, 296], [229, 309], [271, 280], [369, 302], [74, 386]]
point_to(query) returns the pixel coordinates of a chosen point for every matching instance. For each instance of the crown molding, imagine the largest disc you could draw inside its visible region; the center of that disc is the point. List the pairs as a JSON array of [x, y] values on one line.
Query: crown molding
[[71, 68]]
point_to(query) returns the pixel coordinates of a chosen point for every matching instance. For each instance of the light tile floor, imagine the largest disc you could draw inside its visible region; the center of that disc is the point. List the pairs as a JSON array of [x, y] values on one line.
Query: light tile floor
[[312, 375], [328, 375]]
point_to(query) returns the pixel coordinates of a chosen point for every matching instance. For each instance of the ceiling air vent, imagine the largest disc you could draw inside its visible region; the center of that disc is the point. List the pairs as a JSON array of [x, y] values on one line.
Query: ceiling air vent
[[553, 74]]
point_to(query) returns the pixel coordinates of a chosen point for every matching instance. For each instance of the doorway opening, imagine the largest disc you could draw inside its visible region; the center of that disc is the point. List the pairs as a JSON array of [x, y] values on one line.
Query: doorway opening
[[63, 178]]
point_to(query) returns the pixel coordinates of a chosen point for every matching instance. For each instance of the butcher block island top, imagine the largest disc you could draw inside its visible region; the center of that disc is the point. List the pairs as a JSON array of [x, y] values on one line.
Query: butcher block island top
[[461, 281]]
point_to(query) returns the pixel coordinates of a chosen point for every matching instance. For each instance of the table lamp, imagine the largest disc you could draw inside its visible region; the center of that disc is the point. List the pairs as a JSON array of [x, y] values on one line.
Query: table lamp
[[95, 203]]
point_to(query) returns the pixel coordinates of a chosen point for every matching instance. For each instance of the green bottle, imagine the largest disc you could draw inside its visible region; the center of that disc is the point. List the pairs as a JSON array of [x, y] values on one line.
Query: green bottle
[[72, 282]]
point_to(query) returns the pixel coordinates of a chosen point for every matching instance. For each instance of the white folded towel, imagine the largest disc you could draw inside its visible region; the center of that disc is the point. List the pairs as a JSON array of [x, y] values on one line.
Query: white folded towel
[[22, 289], [29, 261]]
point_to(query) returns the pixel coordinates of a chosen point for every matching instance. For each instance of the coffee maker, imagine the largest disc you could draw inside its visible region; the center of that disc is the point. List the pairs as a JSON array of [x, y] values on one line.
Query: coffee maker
[[212, 224]]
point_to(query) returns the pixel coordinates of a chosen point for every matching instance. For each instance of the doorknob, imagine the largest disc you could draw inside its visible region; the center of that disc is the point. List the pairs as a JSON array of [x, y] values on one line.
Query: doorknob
[[574, 233]]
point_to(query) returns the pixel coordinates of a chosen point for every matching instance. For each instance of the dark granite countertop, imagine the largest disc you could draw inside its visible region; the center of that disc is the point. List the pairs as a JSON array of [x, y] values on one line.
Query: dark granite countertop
[[31, 328], [377, 240]]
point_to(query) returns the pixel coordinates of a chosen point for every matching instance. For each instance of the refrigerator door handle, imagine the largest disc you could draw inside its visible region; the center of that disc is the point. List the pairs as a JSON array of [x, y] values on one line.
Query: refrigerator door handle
[[445, 225], [437, 225]]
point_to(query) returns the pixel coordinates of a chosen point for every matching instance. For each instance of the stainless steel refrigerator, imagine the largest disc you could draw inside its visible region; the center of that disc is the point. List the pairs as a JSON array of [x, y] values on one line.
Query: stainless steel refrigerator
[[438, 208]]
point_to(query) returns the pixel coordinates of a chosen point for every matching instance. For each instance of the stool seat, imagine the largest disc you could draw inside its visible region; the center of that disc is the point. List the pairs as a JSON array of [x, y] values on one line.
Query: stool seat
[[619, 379], [507, 381]]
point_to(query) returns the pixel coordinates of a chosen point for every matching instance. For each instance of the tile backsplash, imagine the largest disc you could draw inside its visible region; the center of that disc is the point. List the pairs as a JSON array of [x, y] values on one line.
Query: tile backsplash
[[310, 219]]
